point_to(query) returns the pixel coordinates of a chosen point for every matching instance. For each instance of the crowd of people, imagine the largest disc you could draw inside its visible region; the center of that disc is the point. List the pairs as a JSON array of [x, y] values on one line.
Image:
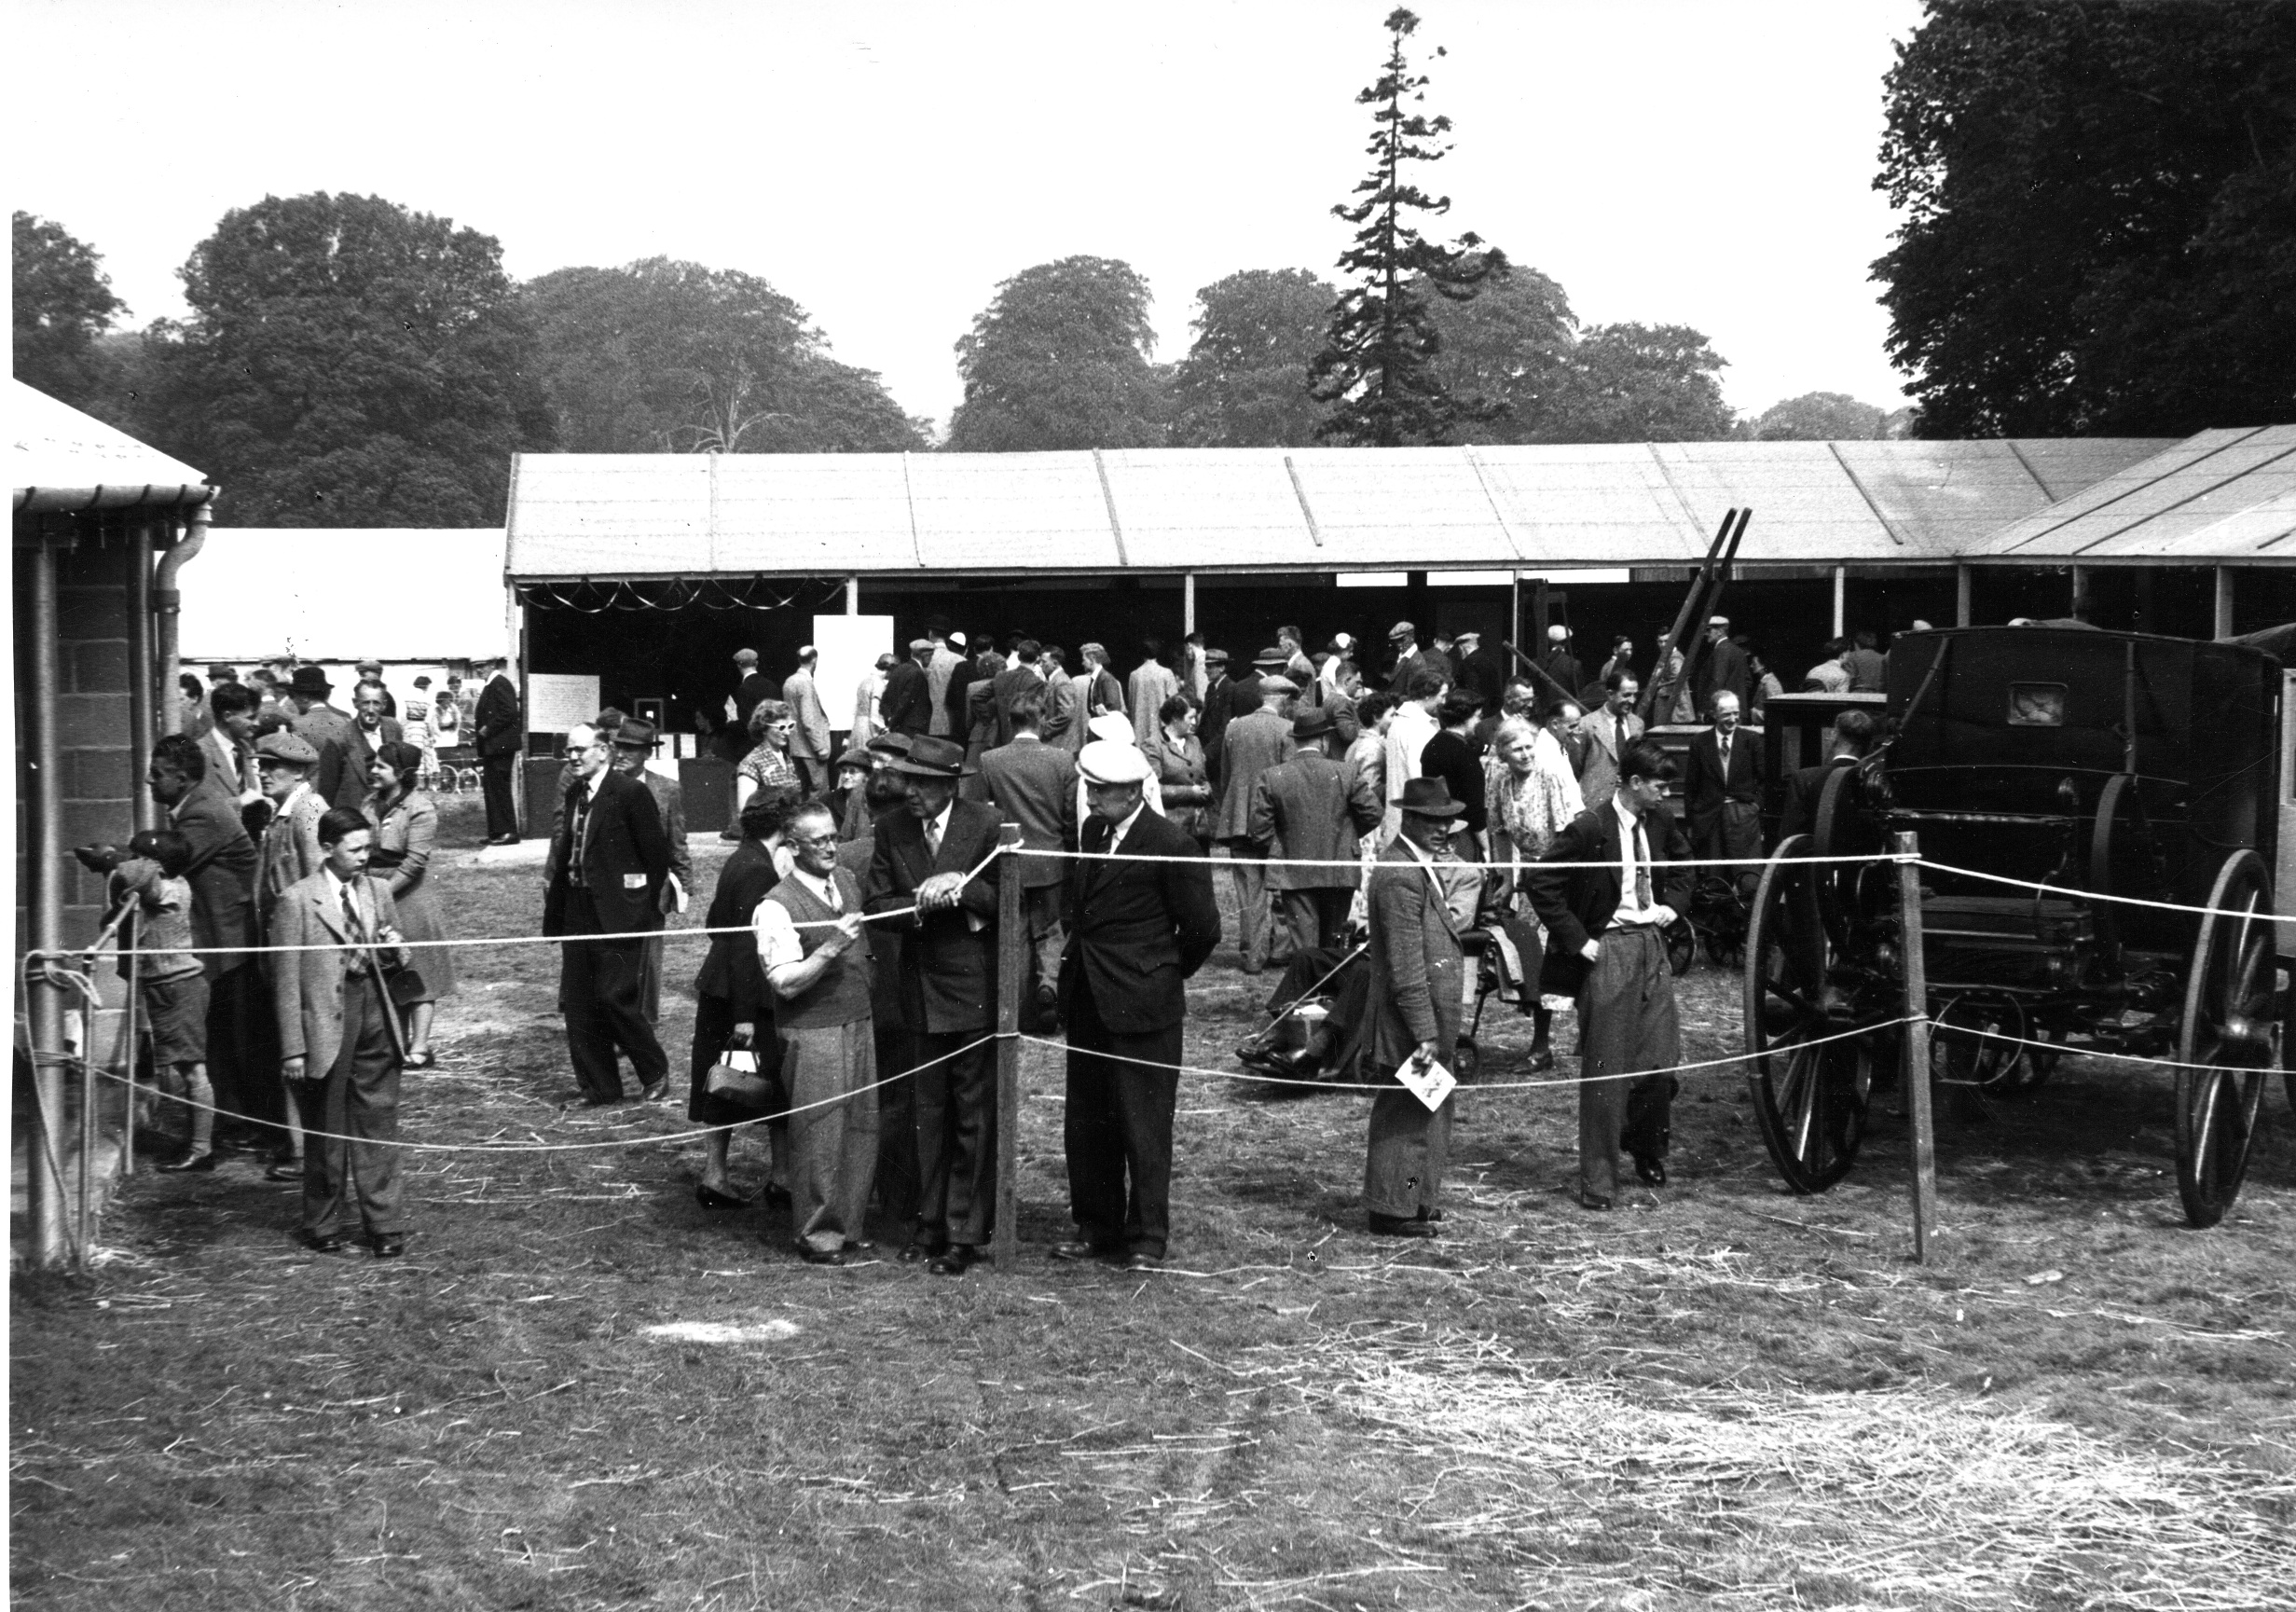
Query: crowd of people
[[848, 1001]]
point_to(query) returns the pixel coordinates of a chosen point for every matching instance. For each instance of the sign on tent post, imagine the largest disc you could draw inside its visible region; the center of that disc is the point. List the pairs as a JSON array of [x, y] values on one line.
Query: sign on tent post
[[849, 646]]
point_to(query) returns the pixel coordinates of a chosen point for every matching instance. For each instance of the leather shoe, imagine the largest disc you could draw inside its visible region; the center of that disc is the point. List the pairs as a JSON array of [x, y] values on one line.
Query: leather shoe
[[709, 1197], [389, 1244], [954, 1260], [594, 1101], [654, 1090], [1396, 1226], [284, 1170], [1590, 1201], [185, 1163], [1076, 1253], [819, 1256], [1542, 1060], [776, 1197], [1144, 1261], [324, 1242], [914, 1253], [1650, 1169]]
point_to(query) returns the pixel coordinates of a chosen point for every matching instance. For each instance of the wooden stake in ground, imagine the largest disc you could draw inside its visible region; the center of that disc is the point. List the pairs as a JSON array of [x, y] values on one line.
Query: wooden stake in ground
[[1908, 847], [1012, 976]]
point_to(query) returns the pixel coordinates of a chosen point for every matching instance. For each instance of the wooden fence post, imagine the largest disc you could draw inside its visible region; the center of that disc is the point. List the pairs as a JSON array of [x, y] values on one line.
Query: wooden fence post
[[1908, 845], [1012, 976]]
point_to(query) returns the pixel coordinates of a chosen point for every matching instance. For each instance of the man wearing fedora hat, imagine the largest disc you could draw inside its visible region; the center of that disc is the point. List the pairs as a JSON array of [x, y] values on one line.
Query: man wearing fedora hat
[[1310, 808], [1416, 995], [927, 866], [1141, 920], [1607, 889], [634, 741], [497, 733], [315, 720], [609, 861]]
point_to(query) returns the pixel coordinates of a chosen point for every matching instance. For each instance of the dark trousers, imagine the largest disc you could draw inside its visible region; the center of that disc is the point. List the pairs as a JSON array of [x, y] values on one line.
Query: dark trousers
[[899, 1181], [501, 812], [956, 1133], [1119, 1131], [242, 1051], [601, 993], [1627, 1023], [358, 1099], [1317, 918], [1407, 1153]]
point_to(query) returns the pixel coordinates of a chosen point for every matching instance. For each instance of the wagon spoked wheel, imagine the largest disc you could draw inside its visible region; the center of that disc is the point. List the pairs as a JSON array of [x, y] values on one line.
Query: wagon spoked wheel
[[1977, 1042], [1809, 1099], [2228, 1039]]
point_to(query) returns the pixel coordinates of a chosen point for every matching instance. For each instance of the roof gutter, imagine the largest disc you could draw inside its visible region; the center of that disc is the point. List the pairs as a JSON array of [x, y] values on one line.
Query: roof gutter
[[74, 500]]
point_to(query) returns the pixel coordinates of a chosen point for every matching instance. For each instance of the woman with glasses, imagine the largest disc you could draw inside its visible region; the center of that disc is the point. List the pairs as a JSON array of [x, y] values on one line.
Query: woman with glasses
[[768, 764], [405, 823]]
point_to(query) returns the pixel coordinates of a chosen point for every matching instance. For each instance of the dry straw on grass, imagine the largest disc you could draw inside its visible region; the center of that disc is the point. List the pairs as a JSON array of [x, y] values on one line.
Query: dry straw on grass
[[1904, 1498]]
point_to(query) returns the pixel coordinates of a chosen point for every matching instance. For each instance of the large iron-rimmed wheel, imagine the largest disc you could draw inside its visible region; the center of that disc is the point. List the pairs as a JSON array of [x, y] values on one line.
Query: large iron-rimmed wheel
[[1809, 1099], [2229, 1038]]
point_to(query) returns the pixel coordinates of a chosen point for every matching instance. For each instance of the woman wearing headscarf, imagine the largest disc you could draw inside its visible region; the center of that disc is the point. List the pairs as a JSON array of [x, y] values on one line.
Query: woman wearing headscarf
[[1529, 796], [731, 1007], [405, 823]]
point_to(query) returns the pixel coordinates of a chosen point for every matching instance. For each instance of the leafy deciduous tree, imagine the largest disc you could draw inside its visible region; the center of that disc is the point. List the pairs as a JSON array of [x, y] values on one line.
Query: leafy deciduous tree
[[1060, 359], [64, 302], [1512, 344], [2100, 216], [349, 363], [1640, 383], [1244, 380], [1378, 367], [1820, 417]]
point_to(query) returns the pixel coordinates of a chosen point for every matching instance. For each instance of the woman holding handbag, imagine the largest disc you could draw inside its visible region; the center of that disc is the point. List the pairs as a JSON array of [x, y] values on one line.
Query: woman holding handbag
[[733, 1010], [405, 821]]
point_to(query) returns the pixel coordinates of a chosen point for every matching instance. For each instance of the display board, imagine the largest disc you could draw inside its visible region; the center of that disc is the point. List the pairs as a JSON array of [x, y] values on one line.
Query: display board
[[849, 646], [557, 701]]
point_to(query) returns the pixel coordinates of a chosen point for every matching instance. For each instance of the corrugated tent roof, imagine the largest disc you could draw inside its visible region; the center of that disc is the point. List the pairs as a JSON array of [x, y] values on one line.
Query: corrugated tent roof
[[345, 594], [2221, 496], [54, 445], [1279, 509]]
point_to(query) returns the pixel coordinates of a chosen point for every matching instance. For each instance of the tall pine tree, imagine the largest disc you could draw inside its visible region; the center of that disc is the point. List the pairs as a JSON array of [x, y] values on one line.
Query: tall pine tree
[[1378, 367]]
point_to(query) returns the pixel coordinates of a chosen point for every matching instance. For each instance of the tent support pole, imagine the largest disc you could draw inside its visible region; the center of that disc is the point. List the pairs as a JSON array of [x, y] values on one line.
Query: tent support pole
[[1188, 603], [853, 596], [1963, 604], [1840, 572], [2223, 601]]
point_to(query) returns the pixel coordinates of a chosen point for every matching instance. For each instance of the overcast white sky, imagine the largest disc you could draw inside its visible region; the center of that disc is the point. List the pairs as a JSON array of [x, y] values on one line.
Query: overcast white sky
[[1707, 162]]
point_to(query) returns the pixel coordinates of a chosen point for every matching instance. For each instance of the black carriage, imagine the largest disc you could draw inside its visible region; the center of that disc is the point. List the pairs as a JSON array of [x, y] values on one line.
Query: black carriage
[[2041, 768]]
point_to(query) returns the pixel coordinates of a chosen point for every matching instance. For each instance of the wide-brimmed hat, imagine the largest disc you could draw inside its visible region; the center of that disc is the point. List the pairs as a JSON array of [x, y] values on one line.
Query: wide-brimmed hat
[[635, 735], [930, 757], [854, 756], [287, 747], [1311, 722], [310, 679], [1428, 797], [1273, 657], [889, 741], [1107, 760]]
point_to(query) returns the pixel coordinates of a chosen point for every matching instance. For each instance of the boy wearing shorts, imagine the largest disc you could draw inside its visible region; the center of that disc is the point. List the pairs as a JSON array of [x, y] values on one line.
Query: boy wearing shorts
[[172, 987]]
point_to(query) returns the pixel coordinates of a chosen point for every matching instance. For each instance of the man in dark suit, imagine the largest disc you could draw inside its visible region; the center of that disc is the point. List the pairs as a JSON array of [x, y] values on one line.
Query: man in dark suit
[[926, 863], [345, 760], [1218, 689], [608, 859], [201, 806], [1604, 920], [1034, 784], [1723, 666], [908, 703], [1565, 676], [1253, 743], [1481, 668], [1725, 814], [1310, 808], [499, 736], [1417, 1002], [1138, 930], [1853, 735], [1022, 676]]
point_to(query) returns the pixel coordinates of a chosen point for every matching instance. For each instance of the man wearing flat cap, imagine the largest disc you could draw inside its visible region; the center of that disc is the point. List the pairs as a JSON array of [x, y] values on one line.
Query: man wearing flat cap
[[371, 671], [608, 859], [1417, 995], [1311, 809], [809, 746], [1483, 669], [1141, 920], [1722, 669], [1252, 744], [287, 763], [1219, 708], [1403, 643], [634, 742], [928, 870]]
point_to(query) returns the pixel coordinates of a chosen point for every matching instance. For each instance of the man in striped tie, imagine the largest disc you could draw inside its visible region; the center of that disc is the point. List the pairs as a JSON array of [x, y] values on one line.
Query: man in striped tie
[[1607, 889]]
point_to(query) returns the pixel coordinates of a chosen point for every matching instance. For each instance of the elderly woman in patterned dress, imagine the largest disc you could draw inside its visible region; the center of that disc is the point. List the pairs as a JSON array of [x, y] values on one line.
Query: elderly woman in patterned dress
[[1530, 796], [405, 823]]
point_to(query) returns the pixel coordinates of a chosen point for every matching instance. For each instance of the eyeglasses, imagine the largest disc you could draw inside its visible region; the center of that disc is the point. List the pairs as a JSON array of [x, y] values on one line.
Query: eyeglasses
[[812, 841]]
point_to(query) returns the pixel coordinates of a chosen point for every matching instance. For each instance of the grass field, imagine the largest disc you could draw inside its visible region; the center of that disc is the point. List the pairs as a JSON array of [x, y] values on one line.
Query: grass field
[[1718, 1395]]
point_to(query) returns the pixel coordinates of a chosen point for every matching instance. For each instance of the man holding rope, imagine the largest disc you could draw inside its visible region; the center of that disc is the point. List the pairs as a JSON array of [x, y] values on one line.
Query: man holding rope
[[1617, 885], [338, 1038]]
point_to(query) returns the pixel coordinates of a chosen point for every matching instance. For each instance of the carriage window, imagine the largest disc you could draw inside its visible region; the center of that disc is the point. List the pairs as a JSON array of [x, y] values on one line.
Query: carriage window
[[2037, 705]]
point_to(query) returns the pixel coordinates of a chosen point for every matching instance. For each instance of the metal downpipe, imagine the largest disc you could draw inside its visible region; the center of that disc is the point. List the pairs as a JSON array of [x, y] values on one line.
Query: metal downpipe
[[169, 602], [140, 730], [44, 873]]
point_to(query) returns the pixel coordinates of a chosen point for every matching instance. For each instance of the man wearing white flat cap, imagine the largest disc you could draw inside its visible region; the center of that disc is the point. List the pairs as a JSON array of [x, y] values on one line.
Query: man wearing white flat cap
[[1141, 918]]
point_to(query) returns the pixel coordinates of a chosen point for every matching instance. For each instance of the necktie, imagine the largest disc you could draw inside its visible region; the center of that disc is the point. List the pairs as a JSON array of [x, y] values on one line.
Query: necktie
[[1725, 758], [1642, 868], [932, 838], [836, 901], [581, 829]]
